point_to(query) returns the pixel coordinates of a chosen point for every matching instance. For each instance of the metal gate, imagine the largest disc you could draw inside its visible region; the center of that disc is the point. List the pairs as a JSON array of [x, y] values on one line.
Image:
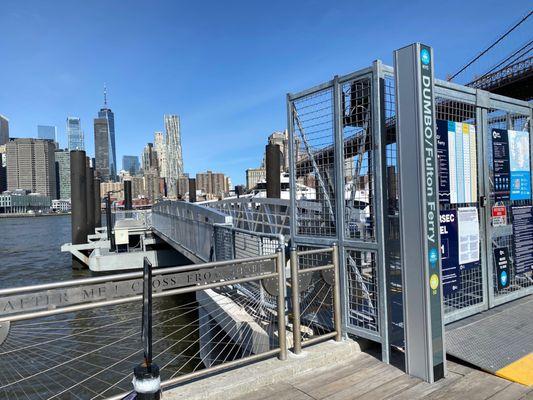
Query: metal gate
[[344, 189], [336, 190]]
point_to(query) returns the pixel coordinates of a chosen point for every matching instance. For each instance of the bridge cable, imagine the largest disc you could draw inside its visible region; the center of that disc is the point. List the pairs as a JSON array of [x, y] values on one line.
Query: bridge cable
[[491, 46], [511, 58]]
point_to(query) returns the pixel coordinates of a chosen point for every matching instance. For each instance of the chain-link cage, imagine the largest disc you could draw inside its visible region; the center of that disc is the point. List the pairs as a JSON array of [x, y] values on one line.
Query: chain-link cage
[[501, 235], [313, 121], [358, 159], [457, 141]]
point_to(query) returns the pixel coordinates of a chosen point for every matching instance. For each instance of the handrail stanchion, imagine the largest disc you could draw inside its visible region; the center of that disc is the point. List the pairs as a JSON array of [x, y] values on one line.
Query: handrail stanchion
[[297, 335], [336, 294], [146, 379], [282, 335]]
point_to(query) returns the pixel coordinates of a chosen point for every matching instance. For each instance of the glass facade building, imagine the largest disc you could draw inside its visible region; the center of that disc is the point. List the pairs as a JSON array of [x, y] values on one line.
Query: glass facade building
[[130, 164], [47, 132], [74, 134], [107, 114]]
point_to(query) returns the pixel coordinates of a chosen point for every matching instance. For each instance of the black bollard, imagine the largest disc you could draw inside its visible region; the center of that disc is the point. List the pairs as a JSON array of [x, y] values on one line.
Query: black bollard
[[78, 184], [273, 163], [128, 204], [109, 222], [192, 190], [146, 379], [97, 204], [90, 201]]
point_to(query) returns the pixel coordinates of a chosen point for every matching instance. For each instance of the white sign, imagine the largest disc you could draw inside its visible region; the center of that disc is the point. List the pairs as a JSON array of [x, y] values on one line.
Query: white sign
[[468, 227]]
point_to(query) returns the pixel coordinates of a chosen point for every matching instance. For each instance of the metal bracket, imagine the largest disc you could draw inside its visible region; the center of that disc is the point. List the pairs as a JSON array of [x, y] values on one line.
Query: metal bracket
[[270, 285], [4, 331]]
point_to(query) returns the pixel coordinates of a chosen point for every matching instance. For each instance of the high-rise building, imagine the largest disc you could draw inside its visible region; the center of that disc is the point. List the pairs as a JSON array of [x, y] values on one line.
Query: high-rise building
[[130, 164], [3, 168], [161, 150], [62, 160], [102, 149], [111, 159], [213, 183], [47, 132], [75, 134], [149, 158], [183, 185], [4, 130], [253, 176], [174, 154], [31, 166]]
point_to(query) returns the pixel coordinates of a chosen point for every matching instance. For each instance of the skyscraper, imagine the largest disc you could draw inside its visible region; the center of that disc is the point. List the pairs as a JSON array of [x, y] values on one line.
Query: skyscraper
[[47, 132], [31, 166], [161, 150], [62, 158], [102, 148], [111, 161], [4, 130], [130, 164], [174, 154], [74, 134]]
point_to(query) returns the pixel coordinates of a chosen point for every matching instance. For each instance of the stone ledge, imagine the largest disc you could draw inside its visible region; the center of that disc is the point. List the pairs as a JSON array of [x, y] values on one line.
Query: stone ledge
[[245, 380]]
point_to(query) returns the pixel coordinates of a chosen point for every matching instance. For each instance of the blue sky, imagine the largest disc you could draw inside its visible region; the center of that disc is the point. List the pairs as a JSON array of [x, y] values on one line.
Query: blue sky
[[223, 66]]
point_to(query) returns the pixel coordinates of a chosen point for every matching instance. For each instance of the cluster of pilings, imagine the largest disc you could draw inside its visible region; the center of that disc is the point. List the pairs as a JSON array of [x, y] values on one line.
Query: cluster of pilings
[[85, 200]]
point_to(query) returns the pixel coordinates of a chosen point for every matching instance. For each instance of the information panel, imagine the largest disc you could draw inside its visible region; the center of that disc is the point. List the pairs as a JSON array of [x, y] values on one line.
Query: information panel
[[503, 265], [459, 238], [449, 244], [511, 163], [523, 238], [457, 160]]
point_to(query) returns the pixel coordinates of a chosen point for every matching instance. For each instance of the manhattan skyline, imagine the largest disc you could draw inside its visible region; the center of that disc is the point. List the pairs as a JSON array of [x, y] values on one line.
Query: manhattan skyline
[[225, 74]]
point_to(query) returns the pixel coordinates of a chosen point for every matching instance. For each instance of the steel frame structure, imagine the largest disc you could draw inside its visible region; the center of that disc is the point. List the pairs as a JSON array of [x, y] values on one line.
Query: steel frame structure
[[515, 114]]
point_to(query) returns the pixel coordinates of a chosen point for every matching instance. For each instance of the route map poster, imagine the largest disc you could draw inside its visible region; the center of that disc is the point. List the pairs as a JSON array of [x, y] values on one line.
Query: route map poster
[[457, 162], [511, 164], [459, 238], [523, 238]]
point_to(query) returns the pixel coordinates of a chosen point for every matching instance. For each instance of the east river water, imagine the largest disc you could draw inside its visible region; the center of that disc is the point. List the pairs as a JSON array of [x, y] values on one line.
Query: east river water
[[79, 355]]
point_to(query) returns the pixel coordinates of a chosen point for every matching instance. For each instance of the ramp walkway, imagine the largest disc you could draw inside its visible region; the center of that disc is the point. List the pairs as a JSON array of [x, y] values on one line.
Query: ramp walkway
[[499, 341]]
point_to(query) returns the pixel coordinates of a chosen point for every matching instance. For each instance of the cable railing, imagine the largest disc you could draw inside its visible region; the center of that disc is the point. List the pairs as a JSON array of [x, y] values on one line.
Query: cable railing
[[81, 338]]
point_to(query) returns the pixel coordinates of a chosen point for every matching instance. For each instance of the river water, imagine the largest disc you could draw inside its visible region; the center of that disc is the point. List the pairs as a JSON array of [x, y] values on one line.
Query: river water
[[79, 355]]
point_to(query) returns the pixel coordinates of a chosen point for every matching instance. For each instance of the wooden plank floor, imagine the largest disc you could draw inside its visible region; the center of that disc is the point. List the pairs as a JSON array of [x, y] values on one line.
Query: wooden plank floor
[[367, 378]]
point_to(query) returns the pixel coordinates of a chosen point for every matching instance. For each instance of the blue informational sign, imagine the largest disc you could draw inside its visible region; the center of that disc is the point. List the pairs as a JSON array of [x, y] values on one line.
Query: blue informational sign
[[451, 273], [523, 239], [503, 267], [519, 165], [443, 161], [511, 163]]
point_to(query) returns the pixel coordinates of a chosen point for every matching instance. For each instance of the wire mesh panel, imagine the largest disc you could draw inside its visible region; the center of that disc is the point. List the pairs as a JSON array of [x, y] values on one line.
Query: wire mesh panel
[[358, 159], [363, 290], [519, 279], [313, 142], [316, 294], [462, 257], [392, 212]]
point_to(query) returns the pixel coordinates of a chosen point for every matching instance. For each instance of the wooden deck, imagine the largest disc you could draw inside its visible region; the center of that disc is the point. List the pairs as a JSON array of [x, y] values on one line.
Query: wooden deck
[[365, 377]]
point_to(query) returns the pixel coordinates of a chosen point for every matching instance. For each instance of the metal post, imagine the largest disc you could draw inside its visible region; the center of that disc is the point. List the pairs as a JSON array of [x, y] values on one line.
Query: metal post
[[146, 379], [127, 195], [90, 200], [97, 204], [295, 291], [273, 163], [79, 201], [109, 221], [282, 333], [336, 293]]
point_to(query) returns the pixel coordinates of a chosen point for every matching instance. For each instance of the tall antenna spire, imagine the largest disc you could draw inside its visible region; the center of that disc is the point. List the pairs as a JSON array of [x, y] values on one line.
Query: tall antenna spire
[[105, 95]]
